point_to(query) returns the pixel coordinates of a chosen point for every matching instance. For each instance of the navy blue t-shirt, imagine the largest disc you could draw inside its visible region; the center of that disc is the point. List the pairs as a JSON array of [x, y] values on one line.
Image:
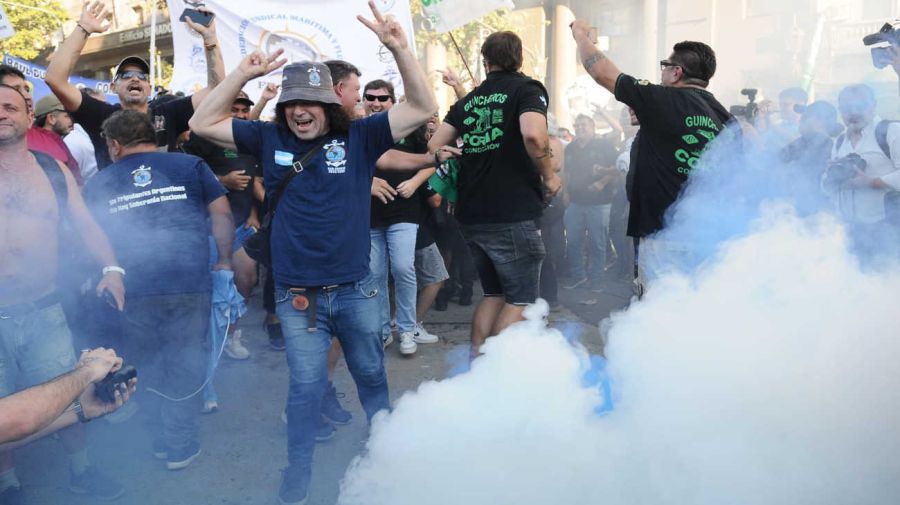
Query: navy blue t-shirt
[[153, 209], [320, 233]]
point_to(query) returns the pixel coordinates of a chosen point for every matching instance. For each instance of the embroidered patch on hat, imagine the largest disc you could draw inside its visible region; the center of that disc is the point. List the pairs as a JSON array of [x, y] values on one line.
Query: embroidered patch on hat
[[314, 78]]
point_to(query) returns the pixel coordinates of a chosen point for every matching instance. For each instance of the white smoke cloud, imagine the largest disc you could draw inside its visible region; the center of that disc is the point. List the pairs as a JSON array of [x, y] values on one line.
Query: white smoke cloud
[[767, 376]]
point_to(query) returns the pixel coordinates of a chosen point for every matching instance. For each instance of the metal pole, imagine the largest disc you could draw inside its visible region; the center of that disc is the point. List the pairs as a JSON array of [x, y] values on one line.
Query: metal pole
[[462, 57], [153, 66]]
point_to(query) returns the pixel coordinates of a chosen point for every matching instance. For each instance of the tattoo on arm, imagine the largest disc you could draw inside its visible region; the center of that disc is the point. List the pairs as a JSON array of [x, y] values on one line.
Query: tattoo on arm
[[590, 60]]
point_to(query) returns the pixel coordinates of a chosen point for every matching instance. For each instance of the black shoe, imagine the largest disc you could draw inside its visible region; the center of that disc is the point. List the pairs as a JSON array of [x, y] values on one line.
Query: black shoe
[[294, 488], [276, 337], [441, 304], [465, 298], [325, 430], [181, 458], [94, 483], [331, 407], [12, 496]]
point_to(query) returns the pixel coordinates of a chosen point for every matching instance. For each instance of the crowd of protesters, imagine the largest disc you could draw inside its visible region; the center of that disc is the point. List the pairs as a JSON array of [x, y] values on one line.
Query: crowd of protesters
[[354, 212]]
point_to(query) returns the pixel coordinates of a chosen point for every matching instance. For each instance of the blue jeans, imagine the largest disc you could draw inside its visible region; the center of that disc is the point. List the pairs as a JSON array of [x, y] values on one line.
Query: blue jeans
[[166, 338], [351, 313], [593, 219], [395, 246]]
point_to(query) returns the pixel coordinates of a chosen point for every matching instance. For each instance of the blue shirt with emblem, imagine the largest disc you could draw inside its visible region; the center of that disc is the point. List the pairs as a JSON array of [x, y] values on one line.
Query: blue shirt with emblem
[[320, 233], [153, 209]]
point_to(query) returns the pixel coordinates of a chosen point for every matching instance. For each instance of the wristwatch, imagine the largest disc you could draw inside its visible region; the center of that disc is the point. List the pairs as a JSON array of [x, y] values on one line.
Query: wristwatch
[[80, 411]]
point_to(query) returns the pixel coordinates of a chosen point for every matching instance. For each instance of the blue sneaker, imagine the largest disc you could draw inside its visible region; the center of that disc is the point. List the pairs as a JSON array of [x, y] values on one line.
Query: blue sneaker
[[331, 407]]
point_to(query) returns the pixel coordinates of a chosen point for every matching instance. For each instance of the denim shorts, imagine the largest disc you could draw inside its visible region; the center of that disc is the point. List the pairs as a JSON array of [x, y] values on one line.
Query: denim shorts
[[34, 348], [430, 268], [508, 258]]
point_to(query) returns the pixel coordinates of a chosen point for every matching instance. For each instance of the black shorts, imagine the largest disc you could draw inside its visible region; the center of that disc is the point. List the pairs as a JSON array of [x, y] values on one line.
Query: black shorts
[[508, 257]]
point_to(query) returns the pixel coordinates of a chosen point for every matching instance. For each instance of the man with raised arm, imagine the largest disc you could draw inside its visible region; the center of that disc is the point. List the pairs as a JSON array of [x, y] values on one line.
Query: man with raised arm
[[320, 230], [678, 118], [131, 83]]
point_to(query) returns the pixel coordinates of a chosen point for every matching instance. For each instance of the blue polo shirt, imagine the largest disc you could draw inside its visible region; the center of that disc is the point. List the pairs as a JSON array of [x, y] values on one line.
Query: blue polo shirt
[[320, 234]]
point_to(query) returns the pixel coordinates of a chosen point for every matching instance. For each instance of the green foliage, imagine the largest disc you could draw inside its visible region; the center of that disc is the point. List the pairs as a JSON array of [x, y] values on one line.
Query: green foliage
[[469, 37], [34, 26]]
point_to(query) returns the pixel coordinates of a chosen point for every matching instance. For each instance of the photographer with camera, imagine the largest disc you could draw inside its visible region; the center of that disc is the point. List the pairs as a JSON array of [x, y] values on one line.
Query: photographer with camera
[[865, 164], [45, 408]]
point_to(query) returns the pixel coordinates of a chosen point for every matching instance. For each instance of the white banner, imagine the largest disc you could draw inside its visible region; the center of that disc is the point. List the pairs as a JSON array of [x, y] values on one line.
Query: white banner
[[446, 15], [317, 30], [6, 27]]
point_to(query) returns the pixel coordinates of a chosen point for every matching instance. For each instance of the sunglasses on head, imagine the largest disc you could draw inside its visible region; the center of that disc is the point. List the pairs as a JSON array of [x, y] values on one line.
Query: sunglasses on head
[[128, 74], [380, 98]]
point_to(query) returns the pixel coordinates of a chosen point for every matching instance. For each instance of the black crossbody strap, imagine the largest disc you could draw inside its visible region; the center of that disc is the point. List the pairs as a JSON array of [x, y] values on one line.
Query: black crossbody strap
[[296, 168]]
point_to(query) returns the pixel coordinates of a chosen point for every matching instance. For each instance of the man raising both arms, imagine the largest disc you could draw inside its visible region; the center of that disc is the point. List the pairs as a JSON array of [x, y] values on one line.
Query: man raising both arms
[[320, 230]]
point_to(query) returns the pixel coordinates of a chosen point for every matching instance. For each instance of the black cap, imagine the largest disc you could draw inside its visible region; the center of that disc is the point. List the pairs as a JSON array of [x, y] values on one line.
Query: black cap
[[244, 99], [133, 60]]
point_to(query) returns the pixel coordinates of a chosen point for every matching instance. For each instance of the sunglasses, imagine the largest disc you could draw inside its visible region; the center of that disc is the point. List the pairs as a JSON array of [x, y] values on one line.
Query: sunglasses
[[380, 98], [128, 74]]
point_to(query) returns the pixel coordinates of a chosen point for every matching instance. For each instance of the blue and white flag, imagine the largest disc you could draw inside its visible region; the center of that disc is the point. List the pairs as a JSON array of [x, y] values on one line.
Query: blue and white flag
[[316, 30]]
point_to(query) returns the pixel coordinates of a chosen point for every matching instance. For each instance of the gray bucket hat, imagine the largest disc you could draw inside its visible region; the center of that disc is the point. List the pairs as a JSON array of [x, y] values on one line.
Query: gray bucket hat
[[308, 81]]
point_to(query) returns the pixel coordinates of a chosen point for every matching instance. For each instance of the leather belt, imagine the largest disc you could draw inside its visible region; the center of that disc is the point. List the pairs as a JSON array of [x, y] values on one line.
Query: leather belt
[[21, 309]]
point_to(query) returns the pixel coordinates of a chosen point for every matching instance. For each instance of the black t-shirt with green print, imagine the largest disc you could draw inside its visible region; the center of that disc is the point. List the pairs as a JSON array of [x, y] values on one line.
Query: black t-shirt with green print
[[676, 126], [498, 182]]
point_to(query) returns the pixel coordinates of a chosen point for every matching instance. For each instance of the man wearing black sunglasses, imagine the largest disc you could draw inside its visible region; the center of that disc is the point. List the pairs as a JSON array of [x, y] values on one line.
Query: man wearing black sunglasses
[[678, 118], [131, 82]]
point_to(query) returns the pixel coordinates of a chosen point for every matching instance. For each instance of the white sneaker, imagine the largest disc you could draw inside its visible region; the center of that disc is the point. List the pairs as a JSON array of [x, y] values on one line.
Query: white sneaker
[[421, 335], [407, 344], [234, 348]]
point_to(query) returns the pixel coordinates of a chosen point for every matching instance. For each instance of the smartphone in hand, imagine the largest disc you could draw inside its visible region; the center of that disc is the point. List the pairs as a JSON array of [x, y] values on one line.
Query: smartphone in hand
[[199, 17]]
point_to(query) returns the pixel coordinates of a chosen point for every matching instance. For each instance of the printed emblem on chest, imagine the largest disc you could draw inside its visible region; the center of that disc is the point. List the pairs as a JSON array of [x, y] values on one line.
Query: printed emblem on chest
[[335, 157]]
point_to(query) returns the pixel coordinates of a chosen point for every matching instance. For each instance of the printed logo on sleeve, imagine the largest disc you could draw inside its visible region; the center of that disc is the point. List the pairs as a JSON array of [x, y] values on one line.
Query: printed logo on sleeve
[[284, 158]]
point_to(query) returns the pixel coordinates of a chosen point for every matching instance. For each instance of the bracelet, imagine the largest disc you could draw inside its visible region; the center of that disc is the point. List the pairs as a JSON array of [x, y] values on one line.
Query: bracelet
[[76, 405], [113, 268], [86, 33], [211, 46]]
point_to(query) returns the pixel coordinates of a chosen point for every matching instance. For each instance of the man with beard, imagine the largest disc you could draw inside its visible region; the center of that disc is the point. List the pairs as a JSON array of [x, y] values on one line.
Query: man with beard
[[131, 83]]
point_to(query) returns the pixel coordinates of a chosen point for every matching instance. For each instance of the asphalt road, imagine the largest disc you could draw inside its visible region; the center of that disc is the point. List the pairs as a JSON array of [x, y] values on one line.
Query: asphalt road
[[244, 443]]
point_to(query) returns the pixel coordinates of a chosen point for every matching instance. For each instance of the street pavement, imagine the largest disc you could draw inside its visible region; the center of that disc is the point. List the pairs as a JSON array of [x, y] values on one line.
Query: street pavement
[[244, 443]]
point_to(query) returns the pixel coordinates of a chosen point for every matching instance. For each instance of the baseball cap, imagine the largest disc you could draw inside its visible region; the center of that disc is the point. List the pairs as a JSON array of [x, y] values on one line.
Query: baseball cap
[[46, 105], [244, 99], [133, 60], [307, 81]]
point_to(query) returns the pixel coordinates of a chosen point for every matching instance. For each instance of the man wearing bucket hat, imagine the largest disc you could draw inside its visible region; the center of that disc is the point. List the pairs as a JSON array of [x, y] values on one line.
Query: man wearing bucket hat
[[320, 230], [131, 82]]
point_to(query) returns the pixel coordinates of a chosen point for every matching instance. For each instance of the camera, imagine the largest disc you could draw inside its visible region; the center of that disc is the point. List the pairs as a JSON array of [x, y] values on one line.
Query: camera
[[881, 55], [843, 169], [751, 109], [106, 389]]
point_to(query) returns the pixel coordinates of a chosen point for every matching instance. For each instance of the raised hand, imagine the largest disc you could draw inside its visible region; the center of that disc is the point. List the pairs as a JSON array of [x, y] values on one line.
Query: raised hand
[[95, 18], [580, 29], [257, 63], [207, 32], [388, 30], [269, 92], [450, 78]]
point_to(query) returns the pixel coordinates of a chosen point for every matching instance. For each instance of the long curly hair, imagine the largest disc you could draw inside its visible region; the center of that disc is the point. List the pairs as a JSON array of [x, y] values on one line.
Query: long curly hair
[[337, 117]]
